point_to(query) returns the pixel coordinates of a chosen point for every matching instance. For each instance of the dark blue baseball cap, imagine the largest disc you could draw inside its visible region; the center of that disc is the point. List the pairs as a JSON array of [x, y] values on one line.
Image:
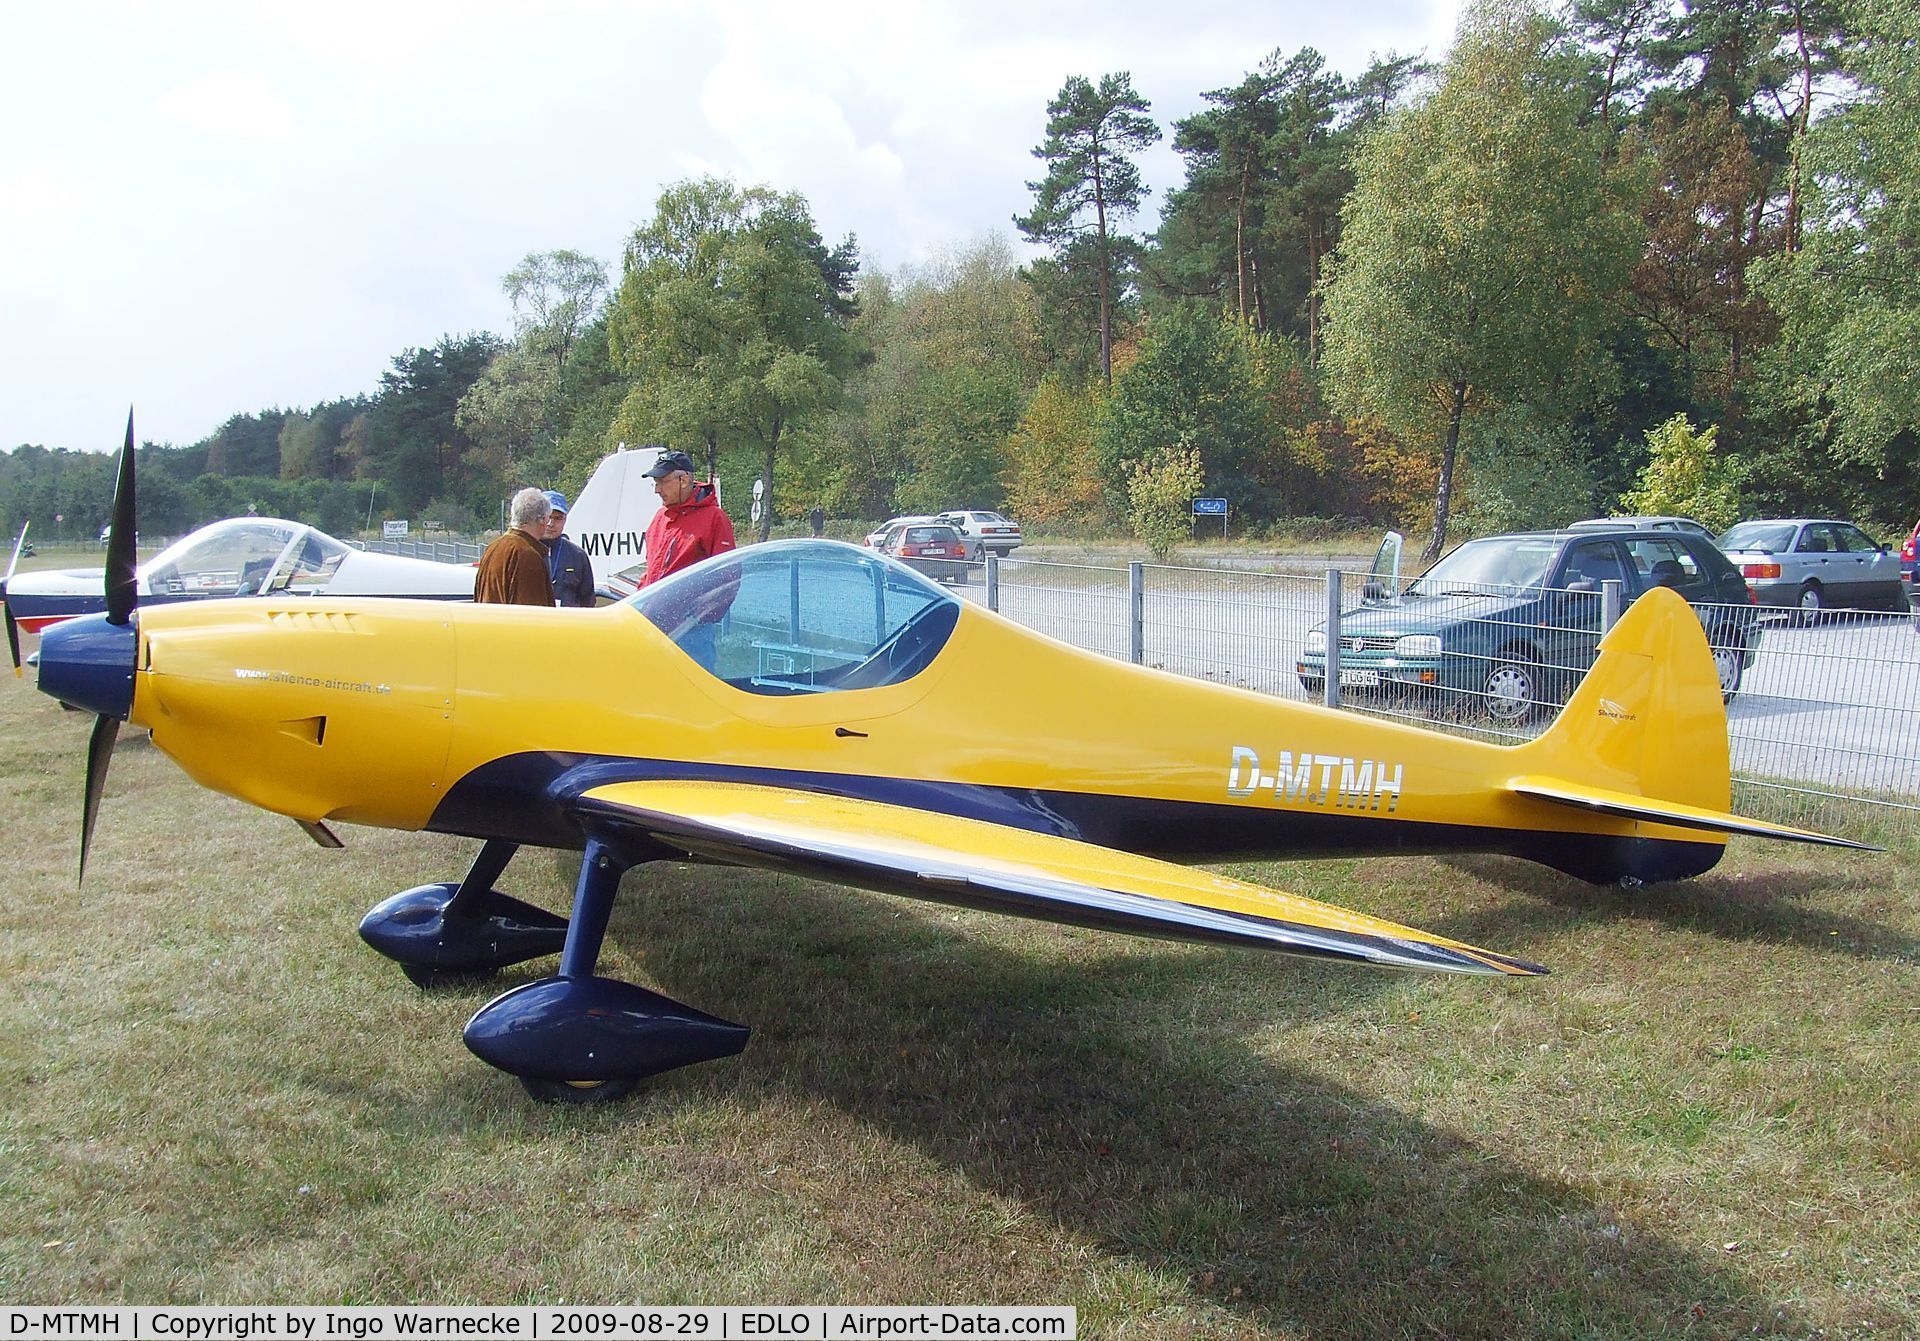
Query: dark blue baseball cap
[[668, 463]]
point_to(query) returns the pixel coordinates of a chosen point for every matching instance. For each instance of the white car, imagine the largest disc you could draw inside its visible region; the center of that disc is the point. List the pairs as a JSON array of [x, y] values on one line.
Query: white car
[[989, 530]]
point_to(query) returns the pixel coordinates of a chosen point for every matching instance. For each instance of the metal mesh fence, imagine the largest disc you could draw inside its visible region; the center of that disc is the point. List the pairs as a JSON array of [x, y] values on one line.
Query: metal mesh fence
[[440, 551], [1077, 603], [1828, 708]]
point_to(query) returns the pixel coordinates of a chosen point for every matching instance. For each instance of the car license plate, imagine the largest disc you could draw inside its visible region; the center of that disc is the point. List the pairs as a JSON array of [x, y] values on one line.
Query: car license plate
[[1359, 679]]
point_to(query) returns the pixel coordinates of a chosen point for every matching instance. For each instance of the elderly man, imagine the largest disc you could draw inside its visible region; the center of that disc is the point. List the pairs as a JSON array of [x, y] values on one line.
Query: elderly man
[[567, 564], [513, 570], [689, 526]]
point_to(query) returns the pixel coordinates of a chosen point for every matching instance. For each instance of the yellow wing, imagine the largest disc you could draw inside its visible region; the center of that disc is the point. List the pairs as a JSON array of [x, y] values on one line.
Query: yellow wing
[[902, 850]]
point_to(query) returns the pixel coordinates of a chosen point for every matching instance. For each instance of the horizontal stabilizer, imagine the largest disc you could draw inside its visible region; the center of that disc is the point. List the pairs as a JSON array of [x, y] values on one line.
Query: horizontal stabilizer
[[1625, 805], [974, 863]]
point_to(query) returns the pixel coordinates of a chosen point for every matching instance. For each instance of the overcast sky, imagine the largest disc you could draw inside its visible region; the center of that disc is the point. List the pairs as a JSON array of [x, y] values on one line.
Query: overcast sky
[[211, 209]]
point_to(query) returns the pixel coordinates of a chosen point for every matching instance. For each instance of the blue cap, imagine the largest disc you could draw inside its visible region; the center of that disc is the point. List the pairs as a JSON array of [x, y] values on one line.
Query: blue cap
[[556, 500], [667, 464]]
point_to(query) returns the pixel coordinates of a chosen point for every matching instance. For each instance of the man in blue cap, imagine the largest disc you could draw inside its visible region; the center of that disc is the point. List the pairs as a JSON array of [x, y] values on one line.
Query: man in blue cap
[[567, 563], [690, 525]]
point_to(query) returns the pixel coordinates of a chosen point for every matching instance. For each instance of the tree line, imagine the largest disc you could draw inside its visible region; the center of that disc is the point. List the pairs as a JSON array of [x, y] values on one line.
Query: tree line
[[1655, 253]]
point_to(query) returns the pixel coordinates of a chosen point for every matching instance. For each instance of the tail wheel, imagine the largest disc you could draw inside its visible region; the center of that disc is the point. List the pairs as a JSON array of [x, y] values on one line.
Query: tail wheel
[[1812, 601], [577, 1091], [1512, 691]]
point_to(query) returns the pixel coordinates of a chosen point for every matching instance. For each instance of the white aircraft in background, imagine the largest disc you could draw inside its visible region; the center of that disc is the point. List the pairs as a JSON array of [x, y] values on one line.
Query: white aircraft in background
[[260, 556]]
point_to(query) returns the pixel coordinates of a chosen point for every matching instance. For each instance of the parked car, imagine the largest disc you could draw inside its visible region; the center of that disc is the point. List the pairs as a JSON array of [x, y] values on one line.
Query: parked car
[[1907, 548], [988, 529], [1913, 597], [1642, 524], [934, 550], [1810, 564], [1515, 620], [885, 528]]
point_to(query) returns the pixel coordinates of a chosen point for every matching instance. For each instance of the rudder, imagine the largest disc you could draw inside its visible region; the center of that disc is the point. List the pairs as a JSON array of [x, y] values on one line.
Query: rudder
[[1647, 721]]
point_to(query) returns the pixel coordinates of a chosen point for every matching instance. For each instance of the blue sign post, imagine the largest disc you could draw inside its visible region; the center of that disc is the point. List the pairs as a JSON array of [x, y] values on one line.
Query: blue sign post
[[1212, 507]]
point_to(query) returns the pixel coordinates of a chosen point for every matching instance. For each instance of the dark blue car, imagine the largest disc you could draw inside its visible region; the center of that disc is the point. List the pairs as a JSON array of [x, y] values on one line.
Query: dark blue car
[[1514, 621]]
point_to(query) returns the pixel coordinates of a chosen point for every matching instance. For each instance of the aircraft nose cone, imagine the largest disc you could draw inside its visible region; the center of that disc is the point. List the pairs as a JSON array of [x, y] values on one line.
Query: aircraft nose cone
[[89, 663]]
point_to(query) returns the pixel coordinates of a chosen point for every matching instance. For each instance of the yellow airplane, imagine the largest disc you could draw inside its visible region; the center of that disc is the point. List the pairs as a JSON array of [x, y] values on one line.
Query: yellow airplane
[[818, 708]]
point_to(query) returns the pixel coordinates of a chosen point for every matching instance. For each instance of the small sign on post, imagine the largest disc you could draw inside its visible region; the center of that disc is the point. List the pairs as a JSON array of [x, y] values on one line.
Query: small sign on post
[[1212, 507]]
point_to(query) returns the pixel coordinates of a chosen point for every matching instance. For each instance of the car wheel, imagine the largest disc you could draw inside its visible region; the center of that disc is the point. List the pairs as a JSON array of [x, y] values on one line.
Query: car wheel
[[1812, 601], [1511, 692], [1314, 687], [1729, 663]]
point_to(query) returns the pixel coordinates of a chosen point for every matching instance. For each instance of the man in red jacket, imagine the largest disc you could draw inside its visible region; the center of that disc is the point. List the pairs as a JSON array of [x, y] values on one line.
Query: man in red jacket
[[689, 526]]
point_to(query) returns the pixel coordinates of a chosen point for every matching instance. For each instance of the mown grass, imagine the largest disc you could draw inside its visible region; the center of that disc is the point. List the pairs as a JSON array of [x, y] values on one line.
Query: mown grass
[[1703, 1125]]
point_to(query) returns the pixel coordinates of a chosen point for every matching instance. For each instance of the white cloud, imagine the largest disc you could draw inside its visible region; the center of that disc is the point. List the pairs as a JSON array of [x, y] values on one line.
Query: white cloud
[[230, 105], [224, 206]]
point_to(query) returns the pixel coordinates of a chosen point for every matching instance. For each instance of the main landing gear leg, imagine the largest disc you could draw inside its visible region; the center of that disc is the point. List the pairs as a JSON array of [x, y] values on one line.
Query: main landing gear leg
[[578, 1038], [443, 933]]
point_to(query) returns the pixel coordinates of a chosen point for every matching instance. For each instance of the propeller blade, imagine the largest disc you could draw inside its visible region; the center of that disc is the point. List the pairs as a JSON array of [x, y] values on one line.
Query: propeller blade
[[13, 629], [123, 565], [99, 755], [18, 545]]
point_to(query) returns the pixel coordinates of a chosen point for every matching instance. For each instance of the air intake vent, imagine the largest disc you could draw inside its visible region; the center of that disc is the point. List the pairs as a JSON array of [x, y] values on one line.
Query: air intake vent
[[315, 621]]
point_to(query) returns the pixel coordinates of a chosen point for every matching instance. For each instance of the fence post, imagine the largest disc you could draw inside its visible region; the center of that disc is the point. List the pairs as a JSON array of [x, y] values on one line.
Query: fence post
[[1136, 613], [1610, 592], [993, 581], [1330, 687]]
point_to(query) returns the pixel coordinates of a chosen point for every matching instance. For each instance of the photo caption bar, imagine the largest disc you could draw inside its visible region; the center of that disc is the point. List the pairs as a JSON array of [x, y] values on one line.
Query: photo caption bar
[[831, 1322]]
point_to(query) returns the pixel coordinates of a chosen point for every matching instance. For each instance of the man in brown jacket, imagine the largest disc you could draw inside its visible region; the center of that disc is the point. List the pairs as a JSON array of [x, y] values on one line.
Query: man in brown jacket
[[513, 570]]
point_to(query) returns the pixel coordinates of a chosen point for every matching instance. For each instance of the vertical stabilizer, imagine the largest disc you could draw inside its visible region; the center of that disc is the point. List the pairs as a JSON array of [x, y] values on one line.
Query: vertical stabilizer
[[609, 518], [1644, 739], [1648, 719]]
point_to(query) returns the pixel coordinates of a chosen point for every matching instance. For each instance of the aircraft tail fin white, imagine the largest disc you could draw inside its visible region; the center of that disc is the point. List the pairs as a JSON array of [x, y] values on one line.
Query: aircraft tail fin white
[[1644, 737], [609, 518]]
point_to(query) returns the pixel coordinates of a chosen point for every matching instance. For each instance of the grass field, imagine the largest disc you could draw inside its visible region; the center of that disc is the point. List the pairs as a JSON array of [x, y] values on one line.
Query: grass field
[[1703, 1125]]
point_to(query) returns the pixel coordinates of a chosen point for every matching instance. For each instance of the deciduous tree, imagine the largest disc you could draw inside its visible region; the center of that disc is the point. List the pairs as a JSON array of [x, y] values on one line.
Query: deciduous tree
[[1198, 381], [1849, 360], [1053, 472], [1684, 477], [1483, 243], [1160, 493], [732, 320]]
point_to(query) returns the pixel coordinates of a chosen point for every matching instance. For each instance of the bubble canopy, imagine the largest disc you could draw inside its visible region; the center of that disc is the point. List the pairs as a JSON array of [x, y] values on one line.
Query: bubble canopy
[[803, 617], [243, 555]]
